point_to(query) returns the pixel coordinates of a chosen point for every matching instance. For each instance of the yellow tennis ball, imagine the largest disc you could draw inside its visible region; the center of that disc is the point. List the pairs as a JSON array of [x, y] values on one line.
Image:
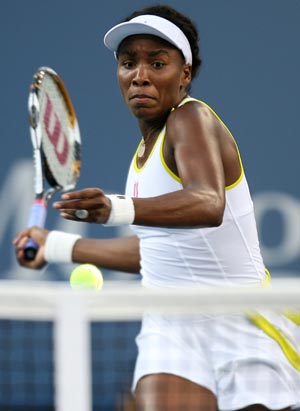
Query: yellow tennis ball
[[86, 276]]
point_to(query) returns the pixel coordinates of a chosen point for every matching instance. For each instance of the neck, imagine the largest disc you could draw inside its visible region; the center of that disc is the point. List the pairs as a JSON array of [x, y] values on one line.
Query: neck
[[151, 127]]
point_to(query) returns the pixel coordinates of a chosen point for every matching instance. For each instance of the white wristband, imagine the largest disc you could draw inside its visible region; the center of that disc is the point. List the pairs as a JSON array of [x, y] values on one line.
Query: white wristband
[[122, 210], [59, 247]]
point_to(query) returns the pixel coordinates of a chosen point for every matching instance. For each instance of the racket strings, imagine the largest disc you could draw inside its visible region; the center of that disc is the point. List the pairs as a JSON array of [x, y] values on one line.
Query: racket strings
[[60, 141]]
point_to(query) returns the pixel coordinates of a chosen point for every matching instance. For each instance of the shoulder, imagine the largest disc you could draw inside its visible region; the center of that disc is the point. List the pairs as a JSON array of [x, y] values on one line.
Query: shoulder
[[192, 113]]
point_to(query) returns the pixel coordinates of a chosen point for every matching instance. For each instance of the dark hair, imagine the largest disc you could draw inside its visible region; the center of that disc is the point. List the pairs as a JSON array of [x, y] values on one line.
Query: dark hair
[[183, 22]]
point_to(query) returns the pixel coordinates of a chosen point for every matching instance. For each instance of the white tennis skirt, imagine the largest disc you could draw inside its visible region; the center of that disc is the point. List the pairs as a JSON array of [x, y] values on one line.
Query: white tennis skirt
[[229, 355]]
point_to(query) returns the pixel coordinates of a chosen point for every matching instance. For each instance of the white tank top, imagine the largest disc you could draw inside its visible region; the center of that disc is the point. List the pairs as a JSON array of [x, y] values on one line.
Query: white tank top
[[224, 255]]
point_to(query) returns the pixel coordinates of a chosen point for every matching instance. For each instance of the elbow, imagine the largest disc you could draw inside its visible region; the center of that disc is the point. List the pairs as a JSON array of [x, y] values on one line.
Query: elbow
[[217, 220], [214, 217], [215, 211]]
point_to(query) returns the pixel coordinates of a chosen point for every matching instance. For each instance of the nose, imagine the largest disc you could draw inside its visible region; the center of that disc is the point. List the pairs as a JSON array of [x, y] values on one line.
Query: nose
[[141, 76]]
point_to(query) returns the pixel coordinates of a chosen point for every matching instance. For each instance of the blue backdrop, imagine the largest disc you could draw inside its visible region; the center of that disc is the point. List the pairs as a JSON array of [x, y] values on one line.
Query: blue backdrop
[[250, 75]]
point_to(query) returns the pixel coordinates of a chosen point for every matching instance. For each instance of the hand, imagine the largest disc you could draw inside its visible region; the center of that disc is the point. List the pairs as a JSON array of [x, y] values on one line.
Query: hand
[[39, 235], [93, 200]]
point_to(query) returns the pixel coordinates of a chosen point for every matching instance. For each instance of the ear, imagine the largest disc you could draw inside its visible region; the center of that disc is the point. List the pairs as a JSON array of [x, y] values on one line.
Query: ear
[[186, 77]]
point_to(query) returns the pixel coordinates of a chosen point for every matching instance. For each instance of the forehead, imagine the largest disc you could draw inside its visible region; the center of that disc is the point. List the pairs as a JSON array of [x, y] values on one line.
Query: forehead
[[145, 40]]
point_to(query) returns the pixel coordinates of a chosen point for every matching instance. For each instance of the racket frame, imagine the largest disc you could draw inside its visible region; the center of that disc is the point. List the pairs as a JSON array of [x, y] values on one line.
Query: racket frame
[[42, 171]]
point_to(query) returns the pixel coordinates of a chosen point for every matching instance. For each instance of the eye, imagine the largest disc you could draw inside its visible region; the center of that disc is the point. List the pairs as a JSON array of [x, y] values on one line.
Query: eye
[[158, 64], [128, 64]]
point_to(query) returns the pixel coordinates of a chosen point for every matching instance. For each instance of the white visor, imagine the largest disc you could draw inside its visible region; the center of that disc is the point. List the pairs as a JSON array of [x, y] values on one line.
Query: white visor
[[149, 24]]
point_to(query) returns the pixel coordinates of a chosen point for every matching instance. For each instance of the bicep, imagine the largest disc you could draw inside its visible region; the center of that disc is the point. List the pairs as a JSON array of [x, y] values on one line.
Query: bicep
[[191, 150], [196, 150]]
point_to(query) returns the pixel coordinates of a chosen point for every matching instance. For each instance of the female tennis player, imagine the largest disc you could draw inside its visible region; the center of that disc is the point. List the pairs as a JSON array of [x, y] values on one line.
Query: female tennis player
[[188, 203]]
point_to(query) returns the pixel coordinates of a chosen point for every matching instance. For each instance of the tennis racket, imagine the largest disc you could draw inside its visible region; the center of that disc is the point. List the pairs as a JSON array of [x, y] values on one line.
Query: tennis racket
[[56, 145]]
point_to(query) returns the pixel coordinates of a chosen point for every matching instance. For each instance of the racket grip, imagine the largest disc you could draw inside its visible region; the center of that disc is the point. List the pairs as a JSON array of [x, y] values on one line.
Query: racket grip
[[37, 216]]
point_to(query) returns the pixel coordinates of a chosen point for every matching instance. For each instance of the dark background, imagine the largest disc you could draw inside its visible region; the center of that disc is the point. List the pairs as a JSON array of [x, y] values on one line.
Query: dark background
[[250, 76]]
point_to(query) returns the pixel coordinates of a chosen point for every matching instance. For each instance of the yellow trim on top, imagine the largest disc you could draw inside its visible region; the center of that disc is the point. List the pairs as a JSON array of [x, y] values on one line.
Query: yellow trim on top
[[162, 159], [168, 170], [190, 99], [238, 151], [291, 354], [237, 182], [139, 169]]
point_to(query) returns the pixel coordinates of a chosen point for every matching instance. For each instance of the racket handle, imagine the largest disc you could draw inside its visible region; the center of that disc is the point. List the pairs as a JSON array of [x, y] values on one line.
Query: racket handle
[[37, 216]]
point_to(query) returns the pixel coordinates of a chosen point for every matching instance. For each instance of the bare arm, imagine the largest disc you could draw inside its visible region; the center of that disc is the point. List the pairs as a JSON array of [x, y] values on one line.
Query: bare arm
[[192, 151], [121, 254]]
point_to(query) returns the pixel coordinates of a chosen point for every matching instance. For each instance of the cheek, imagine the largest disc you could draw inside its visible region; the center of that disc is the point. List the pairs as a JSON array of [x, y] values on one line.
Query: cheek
[[123, 85], [171, 88]]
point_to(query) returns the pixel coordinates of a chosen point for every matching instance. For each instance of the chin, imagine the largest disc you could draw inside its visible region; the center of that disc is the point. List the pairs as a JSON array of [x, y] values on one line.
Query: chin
[[142, 112]]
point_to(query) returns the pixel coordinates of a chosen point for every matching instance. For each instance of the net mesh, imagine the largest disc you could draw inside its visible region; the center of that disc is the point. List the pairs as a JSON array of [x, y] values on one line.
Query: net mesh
[[62, 350]]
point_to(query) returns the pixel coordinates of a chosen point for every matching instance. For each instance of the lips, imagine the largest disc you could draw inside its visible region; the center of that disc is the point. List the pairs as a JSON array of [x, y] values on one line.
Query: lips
[[141, 97]]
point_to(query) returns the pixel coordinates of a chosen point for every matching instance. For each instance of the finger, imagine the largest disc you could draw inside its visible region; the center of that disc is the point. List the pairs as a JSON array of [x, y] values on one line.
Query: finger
[[70, 204], [22, 242], [83, 194], [86, 217], [81, 214], [87, 204], [68, 215], [16, 239], [75, 214], [35, 264], [19, 250], [23, 233]]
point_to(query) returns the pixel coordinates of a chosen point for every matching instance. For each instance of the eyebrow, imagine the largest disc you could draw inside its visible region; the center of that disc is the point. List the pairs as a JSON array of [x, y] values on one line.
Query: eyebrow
[[160, 51], [153, 53]]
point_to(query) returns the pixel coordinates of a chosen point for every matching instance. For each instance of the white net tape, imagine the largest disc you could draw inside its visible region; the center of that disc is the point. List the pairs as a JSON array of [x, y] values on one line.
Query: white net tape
[[73, 313], [128, 301]]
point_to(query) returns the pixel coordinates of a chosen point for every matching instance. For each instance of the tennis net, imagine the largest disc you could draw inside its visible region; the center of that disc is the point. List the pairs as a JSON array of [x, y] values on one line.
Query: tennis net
[[65, 350]]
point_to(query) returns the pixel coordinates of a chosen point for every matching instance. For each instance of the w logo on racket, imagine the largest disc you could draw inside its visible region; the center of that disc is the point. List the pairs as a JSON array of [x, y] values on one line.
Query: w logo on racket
[[56, 142], [55, 133]]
